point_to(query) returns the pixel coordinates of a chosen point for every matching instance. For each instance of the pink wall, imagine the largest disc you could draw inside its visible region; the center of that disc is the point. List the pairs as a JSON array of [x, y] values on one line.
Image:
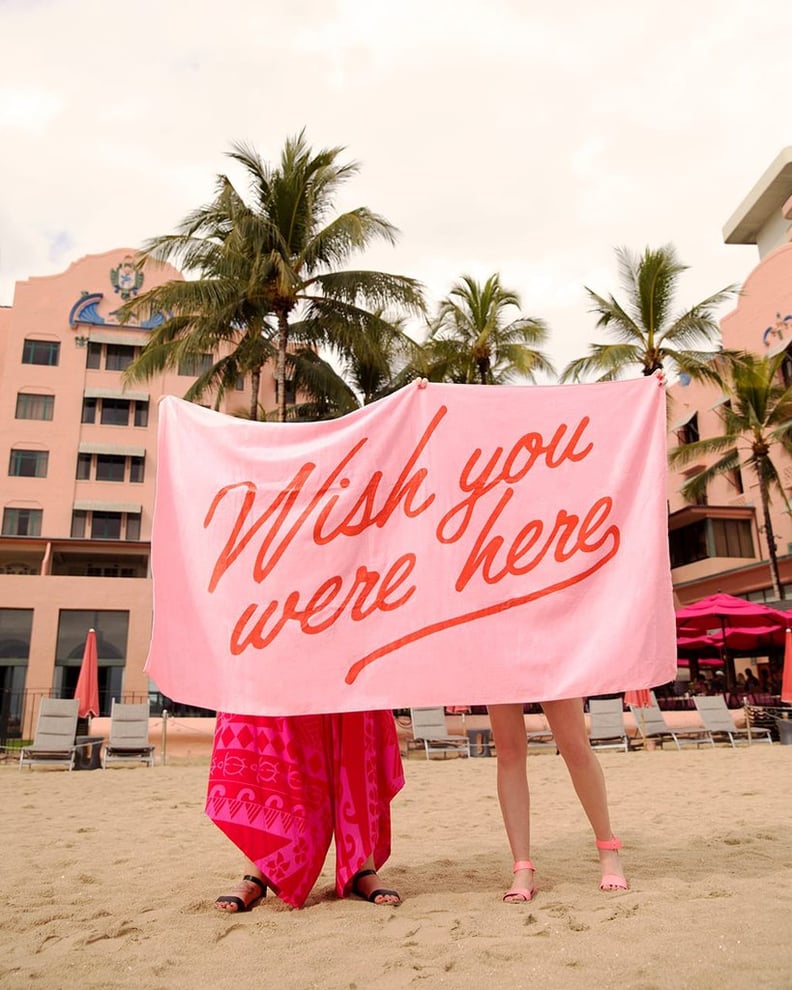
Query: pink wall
[[41, 311]]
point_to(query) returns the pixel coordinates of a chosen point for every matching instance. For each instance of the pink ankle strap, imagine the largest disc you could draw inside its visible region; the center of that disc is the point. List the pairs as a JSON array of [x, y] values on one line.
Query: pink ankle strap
[[522, 864], [612, 843]]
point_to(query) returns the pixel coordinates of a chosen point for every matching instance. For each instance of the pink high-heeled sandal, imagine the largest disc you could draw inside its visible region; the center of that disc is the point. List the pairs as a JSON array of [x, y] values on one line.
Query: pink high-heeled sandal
[[520, 895], [612, 881]]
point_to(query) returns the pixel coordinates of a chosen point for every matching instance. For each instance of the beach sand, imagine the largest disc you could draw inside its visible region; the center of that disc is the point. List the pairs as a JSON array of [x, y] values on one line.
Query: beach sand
[[109, 878]]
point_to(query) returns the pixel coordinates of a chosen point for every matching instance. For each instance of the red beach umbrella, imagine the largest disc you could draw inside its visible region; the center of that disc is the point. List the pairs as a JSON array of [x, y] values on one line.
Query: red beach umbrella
[[730, 614], [786, 678], [87, 689], [726, 611]]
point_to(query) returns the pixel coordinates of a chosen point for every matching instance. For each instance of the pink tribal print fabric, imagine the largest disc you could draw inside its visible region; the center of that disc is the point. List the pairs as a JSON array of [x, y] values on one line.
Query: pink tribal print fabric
[[282, 788]]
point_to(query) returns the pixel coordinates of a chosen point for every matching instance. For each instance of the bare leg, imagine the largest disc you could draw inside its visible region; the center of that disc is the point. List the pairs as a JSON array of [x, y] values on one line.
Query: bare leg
[[247, 892], [508, 730], [568, 725]]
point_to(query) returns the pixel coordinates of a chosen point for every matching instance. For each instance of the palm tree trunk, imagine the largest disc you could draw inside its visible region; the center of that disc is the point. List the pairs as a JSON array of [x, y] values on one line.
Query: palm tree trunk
[[280, 370], [764, 495], [255, 388]]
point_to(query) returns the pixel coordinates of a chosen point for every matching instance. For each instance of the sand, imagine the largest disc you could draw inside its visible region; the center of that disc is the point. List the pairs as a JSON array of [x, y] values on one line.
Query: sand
[[109, 878]]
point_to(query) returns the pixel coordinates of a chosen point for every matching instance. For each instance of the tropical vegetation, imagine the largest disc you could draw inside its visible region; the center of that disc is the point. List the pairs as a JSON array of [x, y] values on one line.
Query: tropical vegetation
[[266, 277], [757, 421], [478, 336], [651, 335]]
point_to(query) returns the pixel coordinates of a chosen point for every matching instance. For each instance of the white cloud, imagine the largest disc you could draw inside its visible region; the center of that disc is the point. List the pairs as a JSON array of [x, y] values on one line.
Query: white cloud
[[26, 109], [496, 137]]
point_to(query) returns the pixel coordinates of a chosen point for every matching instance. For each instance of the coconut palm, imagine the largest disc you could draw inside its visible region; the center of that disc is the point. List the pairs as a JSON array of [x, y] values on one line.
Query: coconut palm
[[474, 340], [651, 335], [268, 267], [374, 365], [757, 418], [382, 361]]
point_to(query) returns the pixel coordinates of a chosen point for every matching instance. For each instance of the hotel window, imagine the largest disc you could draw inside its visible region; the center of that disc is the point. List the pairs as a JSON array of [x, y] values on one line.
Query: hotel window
[[115, 412], [118, 357], [22, 522], [93, 358], [732, 538], [711, 538], [28, 463], [133, 525], [110, 467], [290, 396], [30, 406], [41, 352], [106, 525], [786, 369], [112, 634], [195, 364], [137, 469], [83, 467], [689, 432], [96, 525]]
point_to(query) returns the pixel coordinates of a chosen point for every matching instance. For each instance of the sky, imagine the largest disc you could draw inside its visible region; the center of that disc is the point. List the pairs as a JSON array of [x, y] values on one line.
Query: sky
[[523, 138]]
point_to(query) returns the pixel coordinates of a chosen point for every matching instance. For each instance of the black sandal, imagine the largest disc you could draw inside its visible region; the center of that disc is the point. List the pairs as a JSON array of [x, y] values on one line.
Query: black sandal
[[240, 904], [372, 897]]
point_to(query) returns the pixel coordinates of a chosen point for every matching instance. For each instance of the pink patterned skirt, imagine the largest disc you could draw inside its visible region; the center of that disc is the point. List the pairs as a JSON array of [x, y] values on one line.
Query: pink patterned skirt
[[282, 787]]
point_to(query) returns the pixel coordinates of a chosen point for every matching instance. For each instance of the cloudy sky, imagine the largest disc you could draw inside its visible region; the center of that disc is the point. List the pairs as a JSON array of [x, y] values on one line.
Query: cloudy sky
[[513, 136]]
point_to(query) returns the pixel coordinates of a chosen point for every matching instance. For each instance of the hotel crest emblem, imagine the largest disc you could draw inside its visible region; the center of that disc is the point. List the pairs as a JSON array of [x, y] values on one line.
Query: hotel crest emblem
[[126, 278]]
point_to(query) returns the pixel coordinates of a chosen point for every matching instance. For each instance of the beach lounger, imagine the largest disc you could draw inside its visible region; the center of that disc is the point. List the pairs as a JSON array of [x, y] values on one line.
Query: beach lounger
[[429, 727], [606, 724], [128, 742], [718, 722], [541, 738], [652, 725], [54, 742]]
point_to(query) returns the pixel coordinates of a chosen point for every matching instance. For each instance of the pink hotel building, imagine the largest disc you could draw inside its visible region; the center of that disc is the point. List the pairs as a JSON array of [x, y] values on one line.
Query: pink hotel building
[[77, 481], [78, 463]]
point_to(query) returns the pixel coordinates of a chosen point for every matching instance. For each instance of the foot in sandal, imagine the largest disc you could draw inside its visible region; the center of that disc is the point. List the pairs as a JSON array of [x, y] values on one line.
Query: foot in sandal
[[610, 864], [246, 895], [524, 888]]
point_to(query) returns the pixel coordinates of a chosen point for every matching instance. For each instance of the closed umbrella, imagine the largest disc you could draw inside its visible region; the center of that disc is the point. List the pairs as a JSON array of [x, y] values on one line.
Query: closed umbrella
[[639, 699], [87, 690]]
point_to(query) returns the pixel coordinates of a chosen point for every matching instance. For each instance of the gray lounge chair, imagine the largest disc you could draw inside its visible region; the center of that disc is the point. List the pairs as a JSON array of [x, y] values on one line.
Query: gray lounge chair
[[129, 729], [429, 727], [718, 722], [541, 738], [54, 742], [606, 724], [652, 725]]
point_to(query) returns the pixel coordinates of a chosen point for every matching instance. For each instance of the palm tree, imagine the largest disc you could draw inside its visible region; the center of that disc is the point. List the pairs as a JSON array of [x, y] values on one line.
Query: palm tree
[[382, 361], [651, 336], [258, 263], [472, 339], [756, 418]]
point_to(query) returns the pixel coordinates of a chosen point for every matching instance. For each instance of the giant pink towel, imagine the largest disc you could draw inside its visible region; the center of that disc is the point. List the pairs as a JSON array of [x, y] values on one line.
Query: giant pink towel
[[450, 544]]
